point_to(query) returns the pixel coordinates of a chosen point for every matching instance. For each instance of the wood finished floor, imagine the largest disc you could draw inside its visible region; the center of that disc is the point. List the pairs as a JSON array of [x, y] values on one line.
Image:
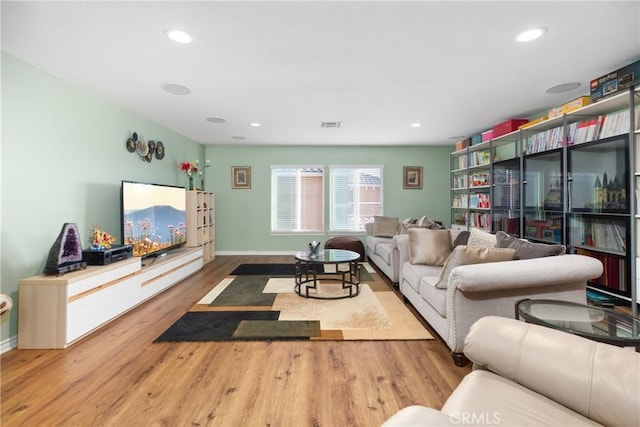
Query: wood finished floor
[[117, 376]]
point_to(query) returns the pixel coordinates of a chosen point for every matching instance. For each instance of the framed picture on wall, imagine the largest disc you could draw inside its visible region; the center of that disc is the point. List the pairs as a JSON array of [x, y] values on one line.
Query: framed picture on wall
[[412, 177], [240, 177]]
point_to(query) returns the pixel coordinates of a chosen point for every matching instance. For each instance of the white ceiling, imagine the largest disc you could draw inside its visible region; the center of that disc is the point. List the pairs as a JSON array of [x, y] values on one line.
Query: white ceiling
[[376, 66]]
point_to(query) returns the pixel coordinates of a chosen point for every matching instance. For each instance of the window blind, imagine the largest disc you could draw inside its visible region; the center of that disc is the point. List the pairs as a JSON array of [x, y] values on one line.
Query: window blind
[[297, 199], [355, 196]]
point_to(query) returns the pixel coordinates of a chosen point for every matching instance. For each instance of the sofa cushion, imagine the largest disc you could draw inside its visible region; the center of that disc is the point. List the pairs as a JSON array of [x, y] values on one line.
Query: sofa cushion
[[527, 250], [372, 243], [385, 226], [437, 298], [430, 247], [412, 274], [465, 255], [481, 238]]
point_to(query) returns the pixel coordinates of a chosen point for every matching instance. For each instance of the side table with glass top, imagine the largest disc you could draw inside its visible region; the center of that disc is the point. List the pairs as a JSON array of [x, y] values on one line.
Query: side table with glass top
[[592, 322], [307, 274]]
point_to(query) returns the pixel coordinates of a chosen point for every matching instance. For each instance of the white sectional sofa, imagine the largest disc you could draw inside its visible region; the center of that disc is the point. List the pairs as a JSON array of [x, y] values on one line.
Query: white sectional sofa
[[529, 375], [465, 293]]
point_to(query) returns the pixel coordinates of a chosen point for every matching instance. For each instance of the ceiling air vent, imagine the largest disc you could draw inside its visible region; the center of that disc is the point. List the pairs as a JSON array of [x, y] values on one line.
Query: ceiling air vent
[[330, 124]]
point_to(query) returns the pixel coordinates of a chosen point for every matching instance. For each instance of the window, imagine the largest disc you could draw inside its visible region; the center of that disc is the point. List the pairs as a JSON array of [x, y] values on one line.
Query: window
[[356, 196], [297, 199]]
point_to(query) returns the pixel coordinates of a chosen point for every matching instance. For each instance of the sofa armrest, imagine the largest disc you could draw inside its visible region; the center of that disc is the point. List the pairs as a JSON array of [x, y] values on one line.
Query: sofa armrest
[[478, 290], [597, 380], [368, 228], [537, 272], [416, 415], [402, 244]]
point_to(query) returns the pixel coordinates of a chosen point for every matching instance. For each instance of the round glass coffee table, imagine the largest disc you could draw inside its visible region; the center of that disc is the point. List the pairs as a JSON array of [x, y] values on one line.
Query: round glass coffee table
[[595, 323], [311, 269]]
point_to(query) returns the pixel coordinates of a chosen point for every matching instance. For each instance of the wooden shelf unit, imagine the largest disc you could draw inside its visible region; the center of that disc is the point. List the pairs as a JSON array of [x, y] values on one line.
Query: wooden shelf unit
[[201, 223]]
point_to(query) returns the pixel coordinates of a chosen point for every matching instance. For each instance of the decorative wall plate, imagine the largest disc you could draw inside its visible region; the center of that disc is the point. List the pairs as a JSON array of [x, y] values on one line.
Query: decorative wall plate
[[152, 147], [142, 148], [159, 150], [131, 145]]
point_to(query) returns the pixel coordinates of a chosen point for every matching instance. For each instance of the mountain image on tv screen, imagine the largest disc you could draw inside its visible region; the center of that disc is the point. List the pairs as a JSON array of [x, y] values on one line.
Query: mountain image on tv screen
[[154, 217]]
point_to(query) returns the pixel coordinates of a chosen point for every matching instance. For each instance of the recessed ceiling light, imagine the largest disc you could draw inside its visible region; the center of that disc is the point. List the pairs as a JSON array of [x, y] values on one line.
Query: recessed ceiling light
[[530, 35], [179, 36], [255, 125], [415, 125], [564, 87], [215, 120], [176, 89], [238, 137]]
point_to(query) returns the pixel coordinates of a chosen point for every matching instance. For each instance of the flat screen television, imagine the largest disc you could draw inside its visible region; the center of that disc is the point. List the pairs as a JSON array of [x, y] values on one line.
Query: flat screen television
[[154, 217]]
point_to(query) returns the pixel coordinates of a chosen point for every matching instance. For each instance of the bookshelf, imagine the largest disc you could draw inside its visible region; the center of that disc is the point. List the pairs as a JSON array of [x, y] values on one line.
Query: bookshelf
[[201, 222], [547, 184], [471, 187]]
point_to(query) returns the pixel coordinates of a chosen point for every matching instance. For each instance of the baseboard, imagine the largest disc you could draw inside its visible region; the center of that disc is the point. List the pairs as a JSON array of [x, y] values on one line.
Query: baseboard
[[223, 253], [9, 344]]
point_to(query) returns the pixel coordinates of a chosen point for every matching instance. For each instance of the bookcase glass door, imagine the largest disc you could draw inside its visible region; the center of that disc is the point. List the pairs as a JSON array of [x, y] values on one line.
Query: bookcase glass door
[[543, 197], [506, 197], [598, 216], [598, 176]]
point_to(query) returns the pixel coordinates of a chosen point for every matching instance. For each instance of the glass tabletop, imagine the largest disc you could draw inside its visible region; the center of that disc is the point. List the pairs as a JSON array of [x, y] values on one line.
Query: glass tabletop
[[329, 256], [593, 322]]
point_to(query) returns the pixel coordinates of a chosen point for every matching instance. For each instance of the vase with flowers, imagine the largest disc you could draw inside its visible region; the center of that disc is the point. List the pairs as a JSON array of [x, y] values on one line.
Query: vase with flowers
[[191, 169]]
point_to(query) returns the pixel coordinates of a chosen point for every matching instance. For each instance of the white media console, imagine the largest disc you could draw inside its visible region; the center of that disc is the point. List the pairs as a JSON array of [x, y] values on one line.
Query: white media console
[[56, 311]]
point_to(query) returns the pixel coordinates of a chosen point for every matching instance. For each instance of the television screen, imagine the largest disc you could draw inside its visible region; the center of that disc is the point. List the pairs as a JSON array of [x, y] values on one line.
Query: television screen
[[153, 217]]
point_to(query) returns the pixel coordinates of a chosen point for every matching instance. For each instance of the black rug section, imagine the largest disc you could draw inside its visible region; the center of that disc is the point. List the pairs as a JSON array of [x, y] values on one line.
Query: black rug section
[[211, 325], [270, 269]]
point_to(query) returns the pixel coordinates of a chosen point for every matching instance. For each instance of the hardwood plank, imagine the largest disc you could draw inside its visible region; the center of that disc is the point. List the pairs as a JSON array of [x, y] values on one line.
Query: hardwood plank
[[118, 376]]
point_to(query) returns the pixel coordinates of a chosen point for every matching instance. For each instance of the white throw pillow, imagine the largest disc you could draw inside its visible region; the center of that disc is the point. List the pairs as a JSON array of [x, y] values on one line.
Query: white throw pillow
[[482, 238]]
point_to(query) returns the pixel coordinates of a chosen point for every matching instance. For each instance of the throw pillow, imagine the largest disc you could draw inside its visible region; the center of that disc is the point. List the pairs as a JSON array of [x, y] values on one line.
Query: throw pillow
[[424, 222], [384, 226], [461, 239], [465, 255], [527, 250], [478, 237], [430, 247]]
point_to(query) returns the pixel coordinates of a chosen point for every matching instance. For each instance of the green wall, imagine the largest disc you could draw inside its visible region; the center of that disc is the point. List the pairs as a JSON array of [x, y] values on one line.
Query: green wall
[[243, 216], [63, 156]]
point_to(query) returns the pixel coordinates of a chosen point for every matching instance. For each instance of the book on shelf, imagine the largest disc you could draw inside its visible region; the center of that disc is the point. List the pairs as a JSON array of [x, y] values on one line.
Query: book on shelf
[[480, 179], [480, 158], [614, 274], [587, 130]]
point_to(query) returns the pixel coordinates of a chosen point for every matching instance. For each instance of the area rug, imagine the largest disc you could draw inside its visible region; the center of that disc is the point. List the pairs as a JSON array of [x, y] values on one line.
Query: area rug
[[264, 306]]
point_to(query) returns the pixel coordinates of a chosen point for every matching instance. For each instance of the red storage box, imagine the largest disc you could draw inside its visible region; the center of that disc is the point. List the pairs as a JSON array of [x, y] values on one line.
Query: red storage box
[[508, 126]]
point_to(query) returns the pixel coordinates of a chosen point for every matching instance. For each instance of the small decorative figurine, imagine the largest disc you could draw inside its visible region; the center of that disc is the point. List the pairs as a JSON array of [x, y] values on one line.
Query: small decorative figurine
[[100, 240], [314, 247]]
